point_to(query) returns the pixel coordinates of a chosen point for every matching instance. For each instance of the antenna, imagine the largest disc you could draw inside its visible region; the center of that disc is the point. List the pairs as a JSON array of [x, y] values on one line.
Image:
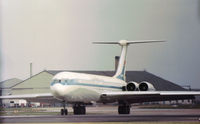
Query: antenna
[[31, 73]]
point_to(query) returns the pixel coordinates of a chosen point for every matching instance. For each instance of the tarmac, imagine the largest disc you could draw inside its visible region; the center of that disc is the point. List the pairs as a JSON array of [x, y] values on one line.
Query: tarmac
[[109, 114]]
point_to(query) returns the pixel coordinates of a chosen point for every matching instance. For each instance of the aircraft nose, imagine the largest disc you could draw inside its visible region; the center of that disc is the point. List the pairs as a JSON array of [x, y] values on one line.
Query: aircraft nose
[[58, 89]]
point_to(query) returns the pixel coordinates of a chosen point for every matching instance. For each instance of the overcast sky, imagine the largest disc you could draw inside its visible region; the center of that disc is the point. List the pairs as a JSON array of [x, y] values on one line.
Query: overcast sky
[[58, 35]]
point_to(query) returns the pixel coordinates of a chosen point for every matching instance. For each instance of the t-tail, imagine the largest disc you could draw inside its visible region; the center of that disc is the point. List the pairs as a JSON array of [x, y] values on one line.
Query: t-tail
[[121, 69]]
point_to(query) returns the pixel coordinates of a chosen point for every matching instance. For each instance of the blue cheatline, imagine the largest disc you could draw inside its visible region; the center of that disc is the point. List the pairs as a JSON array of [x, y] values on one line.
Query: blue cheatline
[[72, 82]]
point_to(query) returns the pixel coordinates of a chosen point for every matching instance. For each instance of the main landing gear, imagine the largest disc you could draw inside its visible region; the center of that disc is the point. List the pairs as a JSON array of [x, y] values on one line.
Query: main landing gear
[[79, 109], [124, 108], [64, 111]]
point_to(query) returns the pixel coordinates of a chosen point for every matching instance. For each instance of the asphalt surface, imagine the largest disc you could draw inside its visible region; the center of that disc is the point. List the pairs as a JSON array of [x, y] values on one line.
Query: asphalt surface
[[97, 118], [110, 115]]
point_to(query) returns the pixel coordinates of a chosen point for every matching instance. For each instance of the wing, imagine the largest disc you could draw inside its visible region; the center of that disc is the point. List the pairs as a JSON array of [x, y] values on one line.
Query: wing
[[147, 96], [43, 97]]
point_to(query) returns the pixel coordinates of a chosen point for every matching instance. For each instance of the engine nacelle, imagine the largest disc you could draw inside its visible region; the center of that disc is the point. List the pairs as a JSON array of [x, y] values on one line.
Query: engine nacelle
[[146, 86], [131, 86]]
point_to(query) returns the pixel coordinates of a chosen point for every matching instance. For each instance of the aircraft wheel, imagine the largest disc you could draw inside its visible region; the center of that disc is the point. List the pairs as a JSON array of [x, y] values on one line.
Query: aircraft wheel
[[83, 110], [76, 111], [125, 109], [64, 112], [79, 110]]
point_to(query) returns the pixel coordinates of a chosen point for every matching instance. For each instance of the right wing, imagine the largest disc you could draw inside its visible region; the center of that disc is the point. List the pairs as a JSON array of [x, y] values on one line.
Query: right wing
[[43, 97], [147, 96]]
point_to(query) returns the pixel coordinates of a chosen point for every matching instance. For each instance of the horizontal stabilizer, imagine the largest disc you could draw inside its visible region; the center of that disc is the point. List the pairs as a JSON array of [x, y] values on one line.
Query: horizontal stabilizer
[[105, 42], [125, 42]]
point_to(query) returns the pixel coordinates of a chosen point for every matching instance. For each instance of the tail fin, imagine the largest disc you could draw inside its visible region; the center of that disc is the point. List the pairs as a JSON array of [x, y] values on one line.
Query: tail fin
[[121, 69]]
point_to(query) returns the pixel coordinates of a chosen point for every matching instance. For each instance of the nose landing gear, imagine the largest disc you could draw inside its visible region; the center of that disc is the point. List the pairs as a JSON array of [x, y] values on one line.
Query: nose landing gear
[[64, 111]]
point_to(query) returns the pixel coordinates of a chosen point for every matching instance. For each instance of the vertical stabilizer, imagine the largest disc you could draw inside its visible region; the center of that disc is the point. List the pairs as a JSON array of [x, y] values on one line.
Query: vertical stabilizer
[[121, 69]]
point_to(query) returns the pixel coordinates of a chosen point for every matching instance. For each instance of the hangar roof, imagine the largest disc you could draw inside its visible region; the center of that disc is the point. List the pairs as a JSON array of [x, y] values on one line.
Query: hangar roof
[[9, 83], [137, 76], [38, 83]]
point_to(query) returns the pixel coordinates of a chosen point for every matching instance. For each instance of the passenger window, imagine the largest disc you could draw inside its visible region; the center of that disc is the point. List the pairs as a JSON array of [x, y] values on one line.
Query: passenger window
[[65, 81]]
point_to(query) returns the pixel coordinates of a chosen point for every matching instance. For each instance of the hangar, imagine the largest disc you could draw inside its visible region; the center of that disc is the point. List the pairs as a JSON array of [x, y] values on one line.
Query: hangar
[[5, 86], [5, 89]]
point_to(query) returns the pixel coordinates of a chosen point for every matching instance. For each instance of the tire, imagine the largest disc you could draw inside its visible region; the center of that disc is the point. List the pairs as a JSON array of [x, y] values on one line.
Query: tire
[[62, 111], [79, 110], [66, 112], [76, 110], [124, 109], [127, 110], [83, 110], [120, 110]]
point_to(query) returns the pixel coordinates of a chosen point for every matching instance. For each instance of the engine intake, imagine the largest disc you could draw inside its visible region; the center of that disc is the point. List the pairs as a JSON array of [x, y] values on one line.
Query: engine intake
[[146, 86], [131, 86]]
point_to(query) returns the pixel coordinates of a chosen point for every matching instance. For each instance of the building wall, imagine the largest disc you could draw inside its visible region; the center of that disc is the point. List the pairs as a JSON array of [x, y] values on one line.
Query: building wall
[[39, 83], [14, 103]]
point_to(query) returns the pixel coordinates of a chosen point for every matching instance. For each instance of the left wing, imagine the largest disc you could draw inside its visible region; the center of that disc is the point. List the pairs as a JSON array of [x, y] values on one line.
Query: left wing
[[43, 97], [147, 96]]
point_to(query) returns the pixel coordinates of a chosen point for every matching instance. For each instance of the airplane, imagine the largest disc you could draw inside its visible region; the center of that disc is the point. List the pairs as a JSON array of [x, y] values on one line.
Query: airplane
[[80, 89]]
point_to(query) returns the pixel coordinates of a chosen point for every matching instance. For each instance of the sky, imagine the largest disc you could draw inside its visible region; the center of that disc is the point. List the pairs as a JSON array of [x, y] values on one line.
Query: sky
[[58, 35]]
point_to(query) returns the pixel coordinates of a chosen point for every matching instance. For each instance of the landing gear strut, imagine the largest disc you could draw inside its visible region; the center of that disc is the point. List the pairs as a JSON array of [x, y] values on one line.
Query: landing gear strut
[[79, 109], [124, 109], [63, 111]]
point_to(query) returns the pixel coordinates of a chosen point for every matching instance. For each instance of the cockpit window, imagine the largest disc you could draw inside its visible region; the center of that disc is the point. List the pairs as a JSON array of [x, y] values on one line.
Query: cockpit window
[[55, 81], [60, 81]]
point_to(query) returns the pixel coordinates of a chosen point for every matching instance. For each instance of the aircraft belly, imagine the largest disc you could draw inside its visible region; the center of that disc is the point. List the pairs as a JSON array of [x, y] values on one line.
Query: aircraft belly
[[74, 93], [82, 94]]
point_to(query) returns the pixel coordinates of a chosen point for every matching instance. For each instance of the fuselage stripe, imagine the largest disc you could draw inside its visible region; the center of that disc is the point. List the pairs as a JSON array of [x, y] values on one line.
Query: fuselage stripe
[[84, 84]]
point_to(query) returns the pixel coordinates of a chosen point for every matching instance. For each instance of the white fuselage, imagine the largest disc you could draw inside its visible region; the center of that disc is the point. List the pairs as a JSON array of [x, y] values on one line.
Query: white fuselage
[[80, 87]]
